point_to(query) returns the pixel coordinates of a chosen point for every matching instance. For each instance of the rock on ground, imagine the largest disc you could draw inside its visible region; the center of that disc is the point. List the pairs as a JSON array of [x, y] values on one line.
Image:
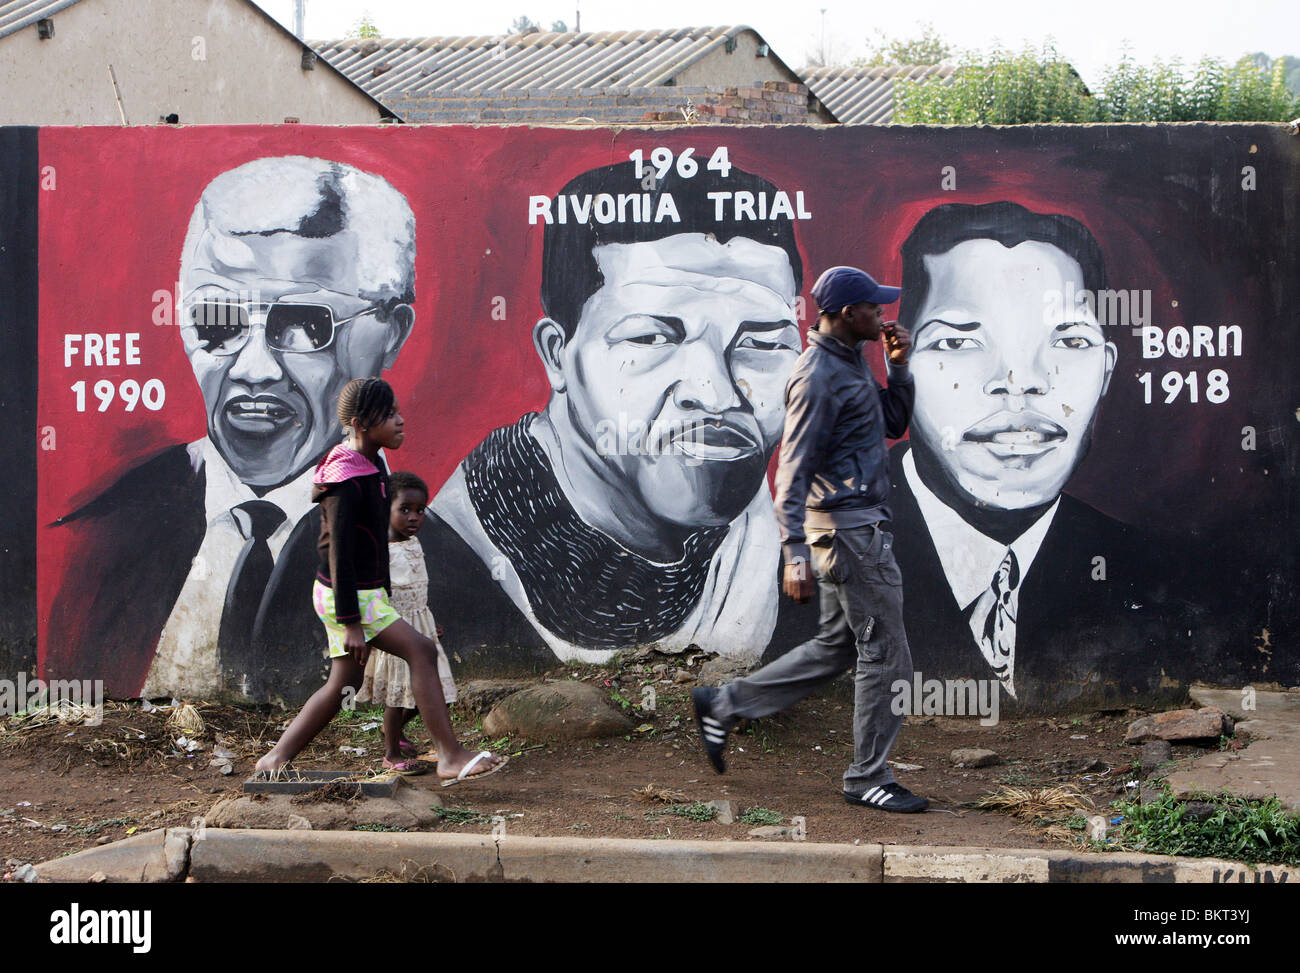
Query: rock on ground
[[1179, 724], [409, 807], [726, 811], [719, 670], [1154, 754], [480, 695], [974, 757], [557, 710]]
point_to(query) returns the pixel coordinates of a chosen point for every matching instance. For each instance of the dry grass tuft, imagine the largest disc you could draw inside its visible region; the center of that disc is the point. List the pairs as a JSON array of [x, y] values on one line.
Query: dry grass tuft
[[186, 720], [1032, 803], [62, 712], [663, 795]]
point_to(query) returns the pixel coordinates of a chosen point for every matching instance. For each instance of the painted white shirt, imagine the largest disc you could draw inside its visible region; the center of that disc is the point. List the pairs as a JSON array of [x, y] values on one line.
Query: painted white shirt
[[737, 610], [970, 559], [187, 662]]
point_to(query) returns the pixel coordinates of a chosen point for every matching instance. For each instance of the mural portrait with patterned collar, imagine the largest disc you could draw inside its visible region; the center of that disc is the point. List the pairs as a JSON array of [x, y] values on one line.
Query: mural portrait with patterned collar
[[634, 508]]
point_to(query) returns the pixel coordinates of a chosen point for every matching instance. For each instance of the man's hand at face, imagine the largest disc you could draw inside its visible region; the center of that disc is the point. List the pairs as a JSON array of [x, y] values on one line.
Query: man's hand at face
[[797, 582], [898, 343]]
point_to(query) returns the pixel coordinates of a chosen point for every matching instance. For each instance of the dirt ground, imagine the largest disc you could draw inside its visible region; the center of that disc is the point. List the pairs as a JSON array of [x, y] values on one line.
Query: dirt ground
[[65, 788]]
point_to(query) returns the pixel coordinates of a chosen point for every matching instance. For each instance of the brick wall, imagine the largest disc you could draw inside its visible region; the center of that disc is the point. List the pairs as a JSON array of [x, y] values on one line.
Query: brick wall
[[775, 102]]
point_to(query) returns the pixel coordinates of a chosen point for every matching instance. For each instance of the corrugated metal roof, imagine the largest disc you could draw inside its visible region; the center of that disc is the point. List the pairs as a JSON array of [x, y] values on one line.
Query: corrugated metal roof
[[412, 65], [17, 14], [864, 96]]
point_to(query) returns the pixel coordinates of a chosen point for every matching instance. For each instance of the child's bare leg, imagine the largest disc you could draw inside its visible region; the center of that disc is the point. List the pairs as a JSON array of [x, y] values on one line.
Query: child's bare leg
[[394, 719], [407, 715], [419, 653], [315, 713]]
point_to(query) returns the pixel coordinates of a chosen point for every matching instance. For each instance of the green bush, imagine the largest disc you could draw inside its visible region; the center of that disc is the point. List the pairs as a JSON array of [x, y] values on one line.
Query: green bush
[[1007, 88]]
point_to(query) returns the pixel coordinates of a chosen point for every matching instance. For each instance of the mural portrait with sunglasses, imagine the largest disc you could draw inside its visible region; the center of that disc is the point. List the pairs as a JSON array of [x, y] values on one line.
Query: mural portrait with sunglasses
[[288, 296], [297, 275]]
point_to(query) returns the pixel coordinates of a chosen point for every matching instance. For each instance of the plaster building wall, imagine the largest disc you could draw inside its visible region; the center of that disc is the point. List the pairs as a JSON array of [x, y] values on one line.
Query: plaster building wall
[[740, 68], [207, 61]]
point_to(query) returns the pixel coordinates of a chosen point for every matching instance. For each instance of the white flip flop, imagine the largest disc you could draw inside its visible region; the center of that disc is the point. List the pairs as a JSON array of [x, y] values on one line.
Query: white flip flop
[[465, 771]]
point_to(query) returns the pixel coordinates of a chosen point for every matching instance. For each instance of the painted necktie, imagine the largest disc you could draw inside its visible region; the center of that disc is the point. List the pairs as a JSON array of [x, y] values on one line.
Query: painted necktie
[[248, 583], [993, 622]]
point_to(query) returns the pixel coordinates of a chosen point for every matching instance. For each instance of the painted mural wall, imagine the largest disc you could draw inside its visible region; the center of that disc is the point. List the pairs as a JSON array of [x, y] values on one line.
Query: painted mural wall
[[590, 332]]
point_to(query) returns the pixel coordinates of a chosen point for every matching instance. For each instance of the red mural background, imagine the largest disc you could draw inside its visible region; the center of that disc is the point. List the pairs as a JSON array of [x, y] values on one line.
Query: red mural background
[[112, 223]]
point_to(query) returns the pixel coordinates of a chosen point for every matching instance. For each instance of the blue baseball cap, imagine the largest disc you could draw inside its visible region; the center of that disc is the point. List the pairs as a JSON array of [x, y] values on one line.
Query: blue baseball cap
[[841, 286]]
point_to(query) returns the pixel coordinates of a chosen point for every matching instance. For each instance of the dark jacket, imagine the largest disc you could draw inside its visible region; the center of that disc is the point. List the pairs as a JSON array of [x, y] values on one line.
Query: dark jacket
[[834, 470], [141, 535], [1080, 642], [353, 541]]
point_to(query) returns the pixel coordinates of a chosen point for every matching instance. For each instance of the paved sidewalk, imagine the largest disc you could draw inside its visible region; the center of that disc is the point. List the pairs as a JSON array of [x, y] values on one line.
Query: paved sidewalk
[[1269, 766]]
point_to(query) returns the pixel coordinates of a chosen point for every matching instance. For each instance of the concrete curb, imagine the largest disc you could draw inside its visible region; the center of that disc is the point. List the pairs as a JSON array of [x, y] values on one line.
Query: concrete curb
[[906, 863], [155, 856], [258, 856], [246, 855]]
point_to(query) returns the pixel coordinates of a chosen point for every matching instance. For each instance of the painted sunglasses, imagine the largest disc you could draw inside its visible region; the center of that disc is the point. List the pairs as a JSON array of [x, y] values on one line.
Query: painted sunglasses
[[224, 326]]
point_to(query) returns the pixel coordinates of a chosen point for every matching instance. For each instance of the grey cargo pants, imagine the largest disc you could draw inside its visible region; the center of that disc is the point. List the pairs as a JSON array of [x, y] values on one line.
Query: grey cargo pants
[[861, 625]]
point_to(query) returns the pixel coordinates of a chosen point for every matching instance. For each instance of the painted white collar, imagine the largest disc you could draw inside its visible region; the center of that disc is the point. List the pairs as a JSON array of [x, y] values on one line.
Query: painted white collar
[[223, 489], [969, 558]]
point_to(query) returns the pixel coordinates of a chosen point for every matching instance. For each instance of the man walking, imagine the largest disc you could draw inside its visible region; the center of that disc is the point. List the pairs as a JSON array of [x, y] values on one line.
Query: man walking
[[833, 481]]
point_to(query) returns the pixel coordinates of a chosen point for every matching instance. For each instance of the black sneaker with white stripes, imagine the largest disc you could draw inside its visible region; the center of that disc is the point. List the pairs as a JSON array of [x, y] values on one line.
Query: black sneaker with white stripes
[[712, 730], [889, 797]]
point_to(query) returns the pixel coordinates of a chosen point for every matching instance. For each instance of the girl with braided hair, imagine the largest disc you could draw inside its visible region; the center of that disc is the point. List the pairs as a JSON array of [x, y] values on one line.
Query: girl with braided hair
[[352, 586]]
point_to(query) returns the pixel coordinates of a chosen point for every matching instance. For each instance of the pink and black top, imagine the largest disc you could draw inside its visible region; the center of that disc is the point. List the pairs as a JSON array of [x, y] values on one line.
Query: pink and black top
[[353, 497]]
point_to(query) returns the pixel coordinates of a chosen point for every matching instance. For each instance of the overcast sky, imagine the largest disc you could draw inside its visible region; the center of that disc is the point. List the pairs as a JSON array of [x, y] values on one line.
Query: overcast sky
[[1090, 35]]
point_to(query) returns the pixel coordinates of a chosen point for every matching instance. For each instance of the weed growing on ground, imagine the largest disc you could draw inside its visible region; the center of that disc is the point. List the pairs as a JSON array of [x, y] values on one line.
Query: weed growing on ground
[[95, 827], [620, 699], [698, 811], [1075, 822], [1240, 830], [459, 815], [760, 730], [760, 816], [359, 716], [378, 827], [1017, 777]]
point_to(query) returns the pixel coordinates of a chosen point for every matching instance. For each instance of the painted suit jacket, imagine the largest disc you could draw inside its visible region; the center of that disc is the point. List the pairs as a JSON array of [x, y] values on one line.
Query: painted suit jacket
[[1079, 641], [134, 546]]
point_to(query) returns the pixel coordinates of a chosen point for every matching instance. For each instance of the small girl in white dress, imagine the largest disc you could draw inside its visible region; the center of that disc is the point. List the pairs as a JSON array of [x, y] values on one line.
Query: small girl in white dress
[[388, 678]]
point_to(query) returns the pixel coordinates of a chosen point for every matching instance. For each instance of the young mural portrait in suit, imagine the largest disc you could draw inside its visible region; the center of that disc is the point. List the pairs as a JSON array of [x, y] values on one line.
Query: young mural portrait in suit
[[1009, 576], [297, 275]]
